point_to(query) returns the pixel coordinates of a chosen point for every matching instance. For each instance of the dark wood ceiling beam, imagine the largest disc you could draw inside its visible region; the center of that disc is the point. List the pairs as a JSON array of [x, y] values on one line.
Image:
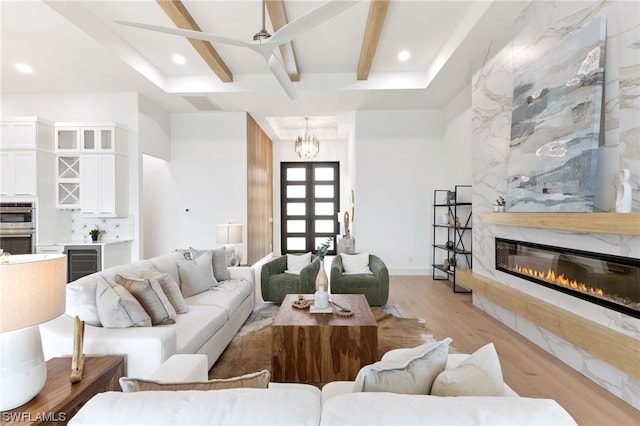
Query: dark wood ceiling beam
[[181, 17], [375, 21], [278, 16]]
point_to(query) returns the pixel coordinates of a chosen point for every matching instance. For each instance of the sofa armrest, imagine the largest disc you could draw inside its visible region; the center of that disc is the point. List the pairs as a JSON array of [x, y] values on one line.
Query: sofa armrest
[[145, 348], [245, 272], [336, 269], [182, 368]]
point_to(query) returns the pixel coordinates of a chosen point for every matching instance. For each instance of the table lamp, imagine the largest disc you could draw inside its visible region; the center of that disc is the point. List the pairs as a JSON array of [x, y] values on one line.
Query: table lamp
[[230, 234], [32, 291]]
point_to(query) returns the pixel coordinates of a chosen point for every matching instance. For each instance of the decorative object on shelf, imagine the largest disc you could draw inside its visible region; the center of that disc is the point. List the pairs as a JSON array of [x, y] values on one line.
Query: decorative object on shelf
[[500, 203], [345, 225], [229, 234], [321, 298], [452, 263], [95, 233], [623, 199], [451, 197], [445, 264], [32, 291], [450, 245], [458, 225], [307, 146], [321, 252], [77, 359]]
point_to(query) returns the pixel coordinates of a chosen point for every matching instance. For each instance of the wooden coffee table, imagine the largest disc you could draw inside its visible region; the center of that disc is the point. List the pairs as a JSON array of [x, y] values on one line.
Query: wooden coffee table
[[320, 348]]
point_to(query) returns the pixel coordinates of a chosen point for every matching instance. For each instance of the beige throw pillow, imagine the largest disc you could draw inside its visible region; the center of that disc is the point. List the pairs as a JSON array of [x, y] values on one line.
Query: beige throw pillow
[[151, 297], [258, 380], [355, 264], [117, 308], [172, 290], [406, 371], [478, 375], [196, 275]]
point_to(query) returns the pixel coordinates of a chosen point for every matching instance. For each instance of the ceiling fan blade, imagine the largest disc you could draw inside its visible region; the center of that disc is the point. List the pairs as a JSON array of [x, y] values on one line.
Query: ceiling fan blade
[[310, 20], [188, 33], [280, 72]]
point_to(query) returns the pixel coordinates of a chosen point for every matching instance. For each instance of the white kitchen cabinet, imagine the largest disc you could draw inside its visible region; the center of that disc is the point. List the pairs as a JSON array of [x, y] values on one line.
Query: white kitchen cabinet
[[19, 173], [26, 133], [67, 139], [91, 138], [104, 185], [68, 181]]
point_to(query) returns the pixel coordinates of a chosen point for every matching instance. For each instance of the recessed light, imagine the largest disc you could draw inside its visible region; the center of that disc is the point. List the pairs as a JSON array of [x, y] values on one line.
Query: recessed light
[[404, 55], [24, 68], [179, 59]]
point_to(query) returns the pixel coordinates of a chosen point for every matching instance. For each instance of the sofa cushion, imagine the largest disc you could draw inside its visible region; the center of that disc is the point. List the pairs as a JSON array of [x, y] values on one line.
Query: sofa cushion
[[81, 299], [297, 262], [383, 409], [228, 295], [258, 380], [151, 297], [172, 290], [355, 263], [478, 375], [168, 264], [196, 275], [118, 308], [409, 371], [196, 328]]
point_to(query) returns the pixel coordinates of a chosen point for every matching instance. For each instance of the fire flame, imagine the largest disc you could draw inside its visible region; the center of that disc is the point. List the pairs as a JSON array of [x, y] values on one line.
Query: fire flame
[[550, 276]]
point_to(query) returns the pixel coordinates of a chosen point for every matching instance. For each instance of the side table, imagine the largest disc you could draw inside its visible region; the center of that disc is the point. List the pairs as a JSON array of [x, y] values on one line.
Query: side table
[[60, 399]]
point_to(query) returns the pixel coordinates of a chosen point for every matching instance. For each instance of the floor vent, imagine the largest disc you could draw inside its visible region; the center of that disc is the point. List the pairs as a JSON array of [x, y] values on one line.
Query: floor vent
[[201, 103]]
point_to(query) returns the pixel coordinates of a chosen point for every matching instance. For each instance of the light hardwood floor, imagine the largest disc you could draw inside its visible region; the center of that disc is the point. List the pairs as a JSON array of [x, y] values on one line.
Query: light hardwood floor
[[528, 369]]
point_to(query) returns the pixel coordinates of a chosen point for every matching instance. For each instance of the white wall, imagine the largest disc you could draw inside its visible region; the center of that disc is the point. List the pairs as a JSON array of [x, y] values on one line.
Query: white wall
[[399, 161], [207, 175]]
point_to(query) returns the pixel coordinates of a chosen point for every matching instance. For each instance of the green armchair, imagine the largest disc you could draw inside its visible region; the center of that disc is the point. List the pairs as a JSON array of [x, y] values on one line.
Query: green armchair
[[375, 287], [276, 284]]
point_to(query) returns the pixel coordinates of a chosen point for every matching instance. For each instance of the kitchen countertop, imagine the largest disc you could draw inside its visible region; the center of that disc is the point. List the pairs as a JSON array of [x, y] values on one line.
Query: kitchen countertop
[[90, 243]]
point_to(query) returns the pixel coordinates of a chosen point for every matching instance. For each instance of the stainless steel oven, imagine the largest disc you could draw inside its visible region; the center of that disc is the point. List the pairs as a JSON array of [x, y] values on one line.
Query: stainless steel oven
[[18, 228]]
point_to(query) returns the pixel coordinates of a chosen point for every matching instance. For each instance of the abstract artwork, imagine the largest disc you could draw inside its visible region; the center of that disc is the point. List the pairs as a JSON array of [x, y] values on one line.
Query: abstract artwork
[[556, 127]]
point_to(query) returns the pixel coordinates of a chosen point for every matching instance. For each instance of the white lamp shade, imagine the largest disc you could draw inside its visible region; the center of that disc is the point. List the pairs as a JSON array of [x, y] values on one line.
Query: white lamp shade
[[229, 233], [32, 290]]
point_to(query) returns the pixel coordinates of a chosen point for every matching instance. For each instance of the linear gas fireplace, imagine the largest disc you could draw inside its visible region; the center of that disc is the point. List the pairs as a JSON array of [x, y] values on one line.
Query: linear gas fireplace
[[609, 281]]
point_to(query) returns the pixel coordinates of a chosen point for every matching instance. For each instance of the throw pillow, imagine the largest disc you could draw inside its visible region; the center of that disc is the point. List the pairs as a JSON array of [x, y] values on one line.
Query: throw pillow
[[253, 380], [478, 375], [196, 275], [408, 371], [172, 290], [355, 263], [297, 262], [117, 308], [218, 262], [150, 295]]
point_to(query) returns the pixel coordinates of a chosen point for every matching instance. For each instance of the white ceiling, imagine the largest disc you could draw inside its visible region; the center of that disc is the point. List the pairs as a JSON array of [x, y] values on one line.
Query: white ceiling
[[75, 46]]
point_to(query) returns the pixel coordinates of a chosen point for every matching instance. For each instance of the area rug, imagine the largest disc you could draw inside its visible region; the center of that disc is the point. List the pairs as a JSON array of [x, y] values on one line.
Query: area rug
[[250, 349]]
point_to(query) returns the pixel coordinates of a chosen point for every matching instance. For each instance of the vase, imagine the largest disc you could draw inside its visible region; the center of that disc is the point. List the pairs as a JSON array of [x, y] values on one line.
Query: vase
[[321, 278], [623, 199], [321, 298]]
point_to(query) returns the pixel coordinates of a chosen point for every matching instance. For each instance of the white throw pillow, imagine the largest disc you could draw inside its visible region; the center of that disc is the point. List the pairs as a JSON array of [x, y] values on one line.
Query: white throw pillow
[[196, 275], [355, 263], [297, 262], [407, 371], [118, 308], [150, 295], [478, 375]]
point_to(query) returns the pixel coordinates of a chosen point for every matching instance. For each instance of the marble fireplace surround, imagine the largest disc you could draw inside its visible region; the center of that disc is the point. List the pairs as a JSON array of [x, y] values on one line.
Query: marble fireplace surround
[[596, 349]]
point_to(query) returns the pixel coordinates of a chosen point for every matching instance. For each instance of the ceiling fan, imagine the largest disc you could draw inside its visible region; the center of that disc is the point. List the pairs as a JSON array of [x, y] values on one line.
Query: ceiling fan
[[264, 43]]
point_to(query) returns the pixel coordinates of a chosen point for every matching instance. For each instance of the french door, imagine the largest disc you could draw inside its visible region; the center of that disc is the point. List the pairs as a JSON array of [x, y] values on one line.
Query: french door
[[309, 205]]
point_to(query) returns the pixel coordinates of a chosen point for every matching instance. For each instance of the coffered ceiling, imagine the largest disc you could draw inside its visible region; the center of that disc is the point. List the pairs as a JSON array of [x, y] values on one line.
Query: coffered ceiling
[[347, 63]]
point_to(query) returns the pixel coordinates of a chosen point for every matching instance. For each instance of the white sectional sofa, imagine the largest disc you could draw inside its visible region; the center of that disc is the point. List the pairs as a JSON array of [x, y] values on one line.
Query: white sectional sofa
[[214, 317], [300, 404]]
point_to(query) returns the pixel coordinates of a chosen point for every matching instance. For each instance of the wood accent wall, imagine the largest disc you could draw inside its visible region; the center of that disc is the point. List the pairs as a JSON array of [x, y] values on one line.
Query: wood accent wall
[[259, 192], [620, 350]]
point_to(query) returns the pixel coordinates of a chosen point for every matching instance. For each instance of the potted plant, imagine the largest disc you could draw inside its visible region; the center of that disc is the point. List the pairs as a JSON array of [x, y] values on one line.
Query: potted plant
[[452, 263], [500, 203], [95, 233]]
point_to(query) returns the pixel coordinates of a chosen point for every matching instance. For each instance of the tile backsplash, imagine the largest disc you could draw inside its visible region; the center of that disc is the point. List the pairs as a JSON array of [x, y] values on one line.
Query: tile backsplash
[[117, 228]]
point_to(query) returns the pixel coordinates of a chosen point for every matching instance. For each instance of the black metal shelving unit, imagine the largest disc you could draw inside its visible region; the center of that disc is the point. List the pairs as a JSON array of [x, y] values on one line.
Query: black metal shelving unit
[[452, 242]]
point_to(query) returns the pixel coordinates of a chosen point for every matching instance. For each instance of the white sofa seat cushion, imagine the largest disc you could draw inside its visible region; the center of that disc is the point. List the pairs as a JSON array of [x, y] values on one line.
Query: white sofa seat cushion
[[227, 294], [195, 328], [293, 407], [388, 409]]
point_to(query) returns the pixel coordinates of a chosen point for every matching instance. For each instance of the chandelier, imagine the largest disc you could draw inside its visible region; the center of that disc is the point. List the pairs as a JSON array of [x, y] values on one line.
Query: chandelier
[[307, 147]]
